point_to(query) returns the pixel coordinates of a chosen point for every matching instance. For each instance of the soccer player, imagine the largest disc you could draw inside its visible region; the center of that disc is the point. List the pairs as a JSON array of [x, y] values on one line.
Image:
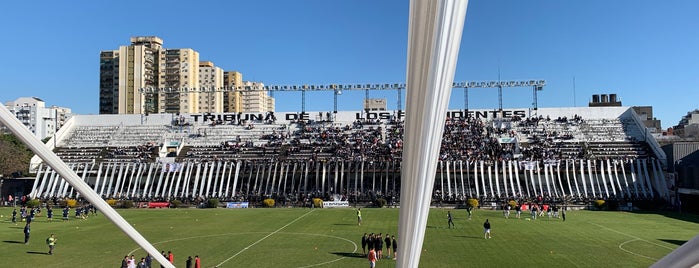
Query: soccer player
[[65, 213], [26, 233], [14, 216], [49, 214], [364, 242], [486, 229], [372, 258], [51, 241], [395, 246], [387, 242], [359, 216], [188, 263], [450, 223]]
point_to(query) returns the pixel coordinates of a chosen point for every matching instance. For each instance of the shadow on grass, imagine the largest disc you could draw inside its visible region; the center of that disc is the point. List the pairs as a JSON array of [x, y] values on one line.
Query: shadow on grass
[[672, 241], [350, 254], [345, 224], [13, 242], [471, 237], [36, 252]]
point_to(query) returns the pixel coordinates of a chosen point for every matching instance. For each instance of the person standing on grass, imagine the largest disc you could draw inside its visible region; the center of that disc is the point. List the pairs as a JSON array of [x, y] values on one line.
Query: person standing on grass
[[14, 216], [533, 209], [51, 241], [486, 229], [66, 210], [364, 242], [49, 214], [197, 262], [170, 257], [395, 246], [387, 242], [563, 213], [132, 262], [188, 264], [469, 209], [26, 233], [125, 262], [142, 263], [149, 260], [162, 252], [378, 245], [450, 222], [359, 216], [372, 258]]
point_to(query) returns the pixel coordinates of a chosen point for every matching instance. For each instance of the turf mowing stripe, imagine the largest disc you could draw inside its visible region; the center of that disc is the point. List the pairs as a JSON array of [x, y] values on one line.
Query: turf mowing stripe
[[261, 239]]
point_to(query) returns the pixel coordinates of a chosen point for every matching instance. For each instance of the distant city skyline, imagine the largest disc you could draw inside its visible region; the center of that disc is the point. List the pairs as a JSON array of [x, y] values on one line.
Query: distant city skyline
[[647, 54]]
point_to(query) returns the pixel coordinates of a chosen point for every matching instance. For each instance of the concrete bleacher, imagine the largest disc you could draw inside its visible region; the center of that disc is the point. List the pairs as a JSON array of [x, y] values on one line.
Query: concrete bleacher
[[601, 133]]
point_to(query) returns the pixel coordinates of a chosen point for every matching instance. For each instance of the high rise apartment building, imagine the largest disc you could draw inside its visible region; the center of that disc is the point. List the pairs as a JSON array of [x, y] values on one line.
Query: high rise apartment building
[[41, 120], [211, 83], [232, 100], [255, 100], [144, 77]]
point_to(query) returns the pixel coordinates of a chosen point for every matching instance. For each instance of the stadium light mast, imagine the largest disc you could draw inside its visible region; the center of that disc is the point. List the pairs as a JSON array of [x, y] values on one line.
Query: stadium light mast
[[536, 85]]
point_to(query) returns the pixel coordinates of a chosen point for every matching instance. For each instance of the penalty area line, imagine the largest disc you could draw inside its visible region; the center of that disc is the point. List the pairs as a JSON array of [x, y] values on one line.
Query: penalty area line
[[261, 239]]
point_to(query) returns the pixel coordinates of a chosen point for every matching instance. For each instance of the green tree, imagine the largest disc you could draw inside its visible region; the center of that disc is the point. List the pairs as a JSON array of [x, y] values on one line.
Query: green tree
[[14, 155]]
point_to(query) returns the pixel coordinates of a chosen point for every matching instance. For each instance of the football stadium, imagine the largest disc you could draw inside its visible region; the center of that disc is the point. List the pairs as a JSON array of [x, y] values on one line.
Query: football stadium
[[191, 161], [318, 168]]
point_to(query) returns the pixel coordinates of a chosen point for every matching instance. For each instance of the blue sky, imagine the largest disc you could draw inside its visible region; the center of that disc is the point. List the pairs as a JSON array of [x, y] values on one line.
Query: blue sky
[[647, 52]]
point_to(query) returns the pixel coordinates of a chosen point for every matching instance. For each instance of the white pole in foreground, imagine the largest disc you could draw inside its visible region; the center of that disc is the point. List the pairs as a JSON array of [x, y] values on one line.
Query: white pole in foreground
[[434, 37], [11, 122], [684, 256]]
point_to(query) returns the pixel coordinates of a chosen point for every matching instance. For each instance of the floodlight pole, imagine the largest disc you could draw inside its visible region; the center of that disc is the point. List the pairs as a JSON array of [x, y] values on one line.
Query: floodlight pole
[[499, 98], [536, 102], [303, 100], [335, 93], [466, 98], [400, 98], [39, 148]]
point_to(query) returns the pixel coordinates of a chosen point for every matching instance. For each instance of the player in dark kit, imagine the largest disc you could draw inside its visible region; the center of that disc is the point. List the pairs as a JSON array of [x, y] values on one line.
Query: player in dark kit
[[364, 241], [26, 233], [65, 213], [49, 214], [387, 242]]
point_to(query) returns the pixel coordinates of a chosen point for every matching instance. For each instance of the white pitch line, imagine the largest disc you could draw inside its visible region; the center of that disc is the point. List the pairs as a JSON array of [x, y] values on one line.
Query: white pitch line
[[634, 253], [261, 239], [331, 236], [193, 237], [632, 236], [635, 238]]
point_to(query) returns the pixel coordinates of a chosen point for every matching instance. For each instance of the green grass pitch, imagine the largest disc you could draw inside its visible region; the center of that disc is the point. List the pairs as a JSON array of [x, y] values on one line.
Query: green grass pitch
[[331, 238]]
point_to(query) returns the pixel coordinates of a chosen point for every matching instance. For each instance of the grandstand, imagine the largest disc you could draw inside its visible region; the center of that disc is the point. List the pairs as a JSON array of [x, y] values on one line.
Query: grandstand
[[573, 153]]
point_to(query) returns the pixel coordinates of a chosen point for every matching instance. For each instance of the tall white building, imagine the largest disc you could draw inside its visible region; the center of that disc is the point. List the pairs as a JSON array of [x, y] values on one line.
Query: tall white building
[[255, 100], [41, 120]]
